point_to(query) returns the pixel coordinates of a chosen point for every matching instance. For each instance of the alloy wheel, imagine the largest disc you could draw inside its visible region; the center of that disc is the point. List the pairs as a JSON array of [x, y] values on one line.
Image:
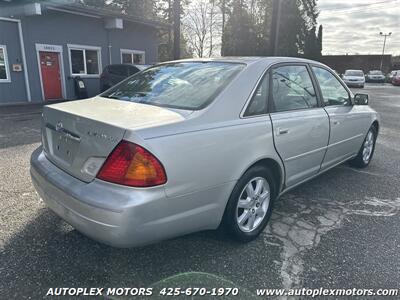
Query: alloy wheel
[[253, 204], [368, 147]]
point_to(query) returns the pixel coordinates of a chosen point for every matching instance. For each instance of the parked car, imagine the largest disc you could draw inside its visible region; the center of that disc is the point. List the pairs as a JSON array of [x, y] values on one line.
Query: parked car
[[113, 74], [191, 145], [391, 75], [396, 79], [354, 78], [375, 76]]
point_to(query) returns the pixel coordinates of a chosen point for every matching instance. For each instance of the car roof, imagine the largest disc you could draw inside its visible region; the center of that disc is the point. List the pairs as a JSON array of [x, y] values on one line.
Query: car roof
[[351, 70], [129, 65], [248, 59]]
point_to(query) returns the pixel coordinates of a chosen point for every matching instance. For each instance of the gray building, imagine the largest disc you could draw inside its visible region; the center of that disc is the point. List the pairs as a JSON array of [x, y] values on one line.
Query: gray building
[[44, 46]]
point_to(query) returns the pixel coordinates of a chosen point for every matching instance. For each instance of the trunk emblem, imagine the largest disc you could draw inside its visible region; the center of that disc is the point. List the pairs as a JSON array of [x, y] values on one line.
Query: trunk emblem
[[59, 126], [102, 136]]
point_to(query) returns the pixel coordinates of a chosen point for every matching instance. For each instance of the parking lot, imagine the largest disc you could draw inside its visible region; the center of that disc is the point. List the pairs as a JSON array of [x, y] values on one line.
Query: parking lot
[[340, 230]]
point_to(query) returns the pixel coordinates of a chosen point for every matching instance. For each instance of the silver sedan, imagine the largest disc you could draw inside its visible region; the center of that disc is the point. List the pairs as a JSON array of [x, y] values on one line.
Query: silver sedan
[[193, 145]]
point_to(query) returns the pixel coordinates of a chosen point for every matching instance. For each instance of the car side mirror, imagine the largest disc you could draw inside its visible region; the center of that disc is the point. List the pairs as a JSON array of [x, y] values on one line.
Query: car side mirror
[[361, 99]]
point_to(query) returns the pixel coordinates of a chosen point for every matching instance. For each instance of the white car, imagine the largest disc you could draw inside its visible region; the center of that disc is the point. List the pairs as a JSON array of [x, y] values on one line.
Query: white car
[[354, 78]]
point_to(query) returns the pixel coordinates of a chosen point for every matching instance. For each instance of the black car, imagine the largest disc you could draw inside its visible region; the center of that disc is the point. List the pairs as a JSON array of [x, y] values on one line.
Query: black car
[[112, 74]]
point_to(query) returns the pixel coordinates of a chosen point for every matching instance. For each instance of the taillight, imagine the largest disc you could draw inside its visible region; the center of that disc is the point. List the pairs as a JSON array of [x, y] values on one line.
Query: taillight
[[131, 164]]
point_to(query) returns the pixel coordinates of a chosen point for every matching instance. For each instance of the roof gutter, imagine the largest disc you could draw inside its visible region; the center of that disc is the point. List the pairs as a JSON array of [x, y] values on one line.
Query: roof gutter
[[22, 44], [102, 13]]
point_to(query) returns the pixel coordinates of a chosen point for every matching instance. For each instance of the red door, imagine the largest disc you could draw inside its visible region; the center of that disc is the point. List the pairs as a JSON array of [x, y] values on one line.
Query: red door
[[50, 68]]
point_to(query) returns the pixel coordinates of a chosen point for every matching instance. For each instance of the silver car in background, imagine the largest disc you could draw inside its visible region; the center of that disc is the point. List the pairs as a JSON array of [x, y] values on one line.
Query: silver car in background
[[354, 78], [192, 145], [375, 76]]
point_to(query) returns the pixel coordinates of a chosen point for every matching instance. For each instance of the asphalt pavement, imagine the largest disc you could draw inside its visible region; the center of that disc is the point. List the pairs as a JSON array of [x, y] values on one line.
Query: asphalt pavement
[[340, 230]]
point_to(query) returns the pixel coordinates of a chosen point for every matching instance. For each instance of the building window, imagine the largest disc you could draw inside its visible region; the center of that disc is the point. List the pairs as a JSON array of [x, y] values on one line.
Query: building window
[[4, 68], [134, 57], [85, 61]]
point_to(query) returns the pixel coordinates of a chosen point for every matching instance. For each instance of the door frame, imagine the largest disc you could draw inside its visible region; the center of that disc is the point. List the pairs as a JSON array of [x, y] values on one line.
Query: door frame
[[57, 49]]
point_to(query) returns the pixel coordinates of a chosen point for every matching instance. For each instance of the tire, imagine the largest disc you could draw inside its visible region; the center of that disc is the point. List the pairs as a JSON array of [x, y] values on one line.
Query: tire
[[259, 207], [363, 159]]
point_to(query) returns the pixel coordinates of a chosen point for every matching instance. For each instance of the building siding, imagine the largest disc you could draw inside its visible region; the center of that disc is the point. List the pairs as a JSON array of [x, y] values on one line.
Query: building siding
[[60, 29], [13, 91]]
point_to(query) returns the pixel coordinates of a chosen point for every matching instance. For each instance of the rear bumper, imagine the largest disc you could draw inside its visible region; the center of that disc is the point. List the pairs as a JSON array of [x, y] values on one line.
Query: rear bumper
[[122, 216]]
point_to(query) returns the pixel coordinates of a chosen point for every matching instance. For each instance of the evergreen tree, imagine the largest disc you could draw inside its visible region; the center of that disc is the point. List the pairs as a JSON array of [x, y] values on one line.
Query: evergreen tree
[[320, 39], [311, 45], [239, 36], [289, 29], [248, 26]]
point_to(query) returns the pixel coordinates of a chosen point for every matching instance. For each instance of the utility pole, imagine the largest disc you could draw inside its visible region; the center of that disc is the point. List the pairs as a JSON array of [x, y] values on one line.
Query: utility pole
[[177, 29], [276, 17], [385, 35]]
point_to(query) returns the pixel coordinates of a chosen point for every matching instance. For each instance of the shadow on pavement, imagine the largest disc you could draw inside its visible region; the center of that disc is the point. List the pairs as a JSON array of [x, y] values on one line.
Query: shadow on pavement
[[49, 253]]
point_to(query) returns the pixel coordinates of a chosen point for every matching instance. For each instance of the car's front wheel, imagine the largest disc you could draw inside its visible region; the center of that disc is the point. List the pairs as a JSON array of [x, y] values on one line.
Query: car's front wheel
[[250, 204], [367, 149]]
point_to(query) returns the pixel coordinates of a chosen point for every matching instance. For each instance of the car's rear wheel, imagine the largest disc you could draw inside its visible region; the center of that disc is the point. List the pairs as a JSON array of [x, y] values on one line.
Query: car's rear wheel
[[367, 149], [250, 204]]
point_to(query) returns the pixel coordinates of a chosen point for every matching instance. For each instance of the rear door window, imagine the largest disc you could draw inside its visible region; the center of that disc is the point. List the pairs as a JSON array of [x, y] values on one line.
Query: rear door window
[[292, 89]]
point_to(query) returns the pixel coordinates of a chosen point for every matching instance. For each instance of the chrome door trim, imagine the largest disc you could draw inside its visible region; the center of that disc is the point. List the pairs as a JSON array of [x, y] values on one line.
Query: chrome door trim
[[306, 153], [346, 140]]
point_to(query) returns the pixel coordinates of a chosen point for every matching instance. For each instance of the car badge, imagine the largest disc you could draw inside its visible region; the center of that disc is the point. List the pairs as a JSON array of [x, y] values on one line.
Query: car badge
[[59, 126]]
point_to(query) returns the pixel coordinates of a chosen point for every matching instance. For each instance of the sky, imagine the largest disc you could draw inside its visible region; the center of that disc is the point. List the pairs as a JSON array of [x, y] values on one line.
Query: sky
[[353, 26]]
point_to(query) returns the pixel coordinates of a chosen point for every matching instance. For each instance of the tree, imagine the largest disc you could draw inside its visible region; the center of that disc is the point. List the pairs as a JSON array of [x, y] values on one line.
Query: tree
[[165, 10], [202, 27], [320, 39], [311, 46], [177, 29], [291, 37], [239, 35], [252, 21]]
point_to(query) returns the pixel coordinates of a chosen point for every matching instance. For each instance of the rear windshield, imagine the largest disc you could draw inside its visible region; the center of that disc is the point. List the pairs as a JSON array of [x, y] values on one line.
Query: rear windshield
[[184, 85], [354, 73], [376, 73]]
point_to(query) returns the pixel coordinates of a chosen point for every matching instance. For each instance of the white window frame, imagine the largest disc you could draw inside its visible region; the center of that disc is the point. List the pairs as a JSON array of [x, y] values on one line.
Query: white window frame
[[84, 48], [6, 64], [131, 52]]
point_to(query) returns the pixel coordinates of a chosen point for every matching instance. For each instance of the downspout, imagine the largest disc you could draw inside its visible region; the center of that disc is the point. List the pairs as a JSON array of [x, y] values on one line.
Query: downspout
[[21, 41], [109, 47]]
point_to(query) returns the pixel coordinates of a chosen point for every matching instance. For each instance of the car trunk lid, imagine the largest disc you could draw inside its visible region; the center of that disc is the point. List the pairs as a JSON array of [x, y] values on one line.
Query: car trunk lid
[[78, 136]]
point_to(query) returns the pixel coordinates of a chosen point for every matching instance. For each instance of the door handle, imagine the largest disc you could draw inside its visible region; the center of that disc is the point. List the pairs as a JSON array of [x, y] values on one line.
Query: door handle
[[283, 131], [336, 122]]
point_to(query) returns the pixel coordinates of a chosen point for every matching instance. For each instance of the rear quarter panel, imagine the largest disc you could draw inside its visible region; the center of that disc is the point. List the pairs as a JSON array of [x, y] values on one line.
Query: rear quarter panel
[[206, 157]]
